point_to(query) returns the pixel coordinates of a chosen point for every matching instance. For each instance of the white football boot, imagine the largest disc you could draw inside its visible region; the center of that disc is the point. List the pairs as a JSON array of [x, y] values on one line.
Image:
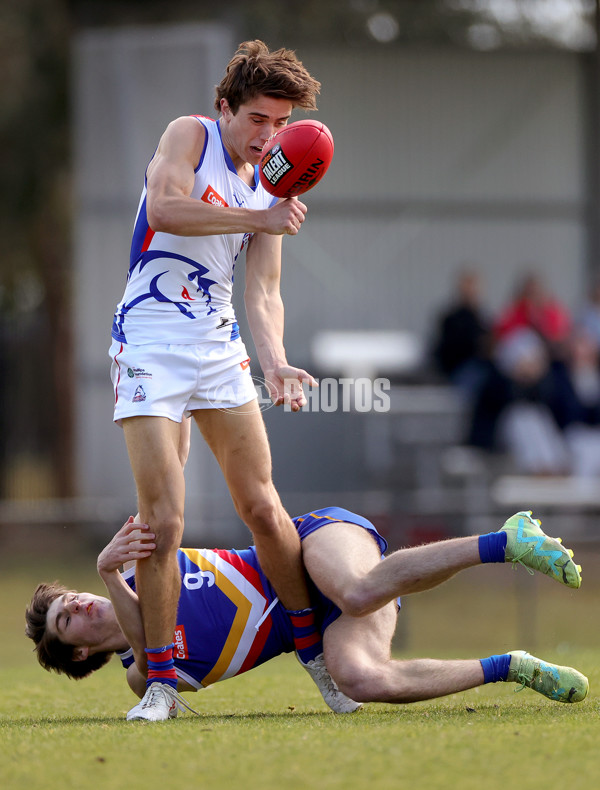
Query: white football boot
[[160, 702], [338, 702]]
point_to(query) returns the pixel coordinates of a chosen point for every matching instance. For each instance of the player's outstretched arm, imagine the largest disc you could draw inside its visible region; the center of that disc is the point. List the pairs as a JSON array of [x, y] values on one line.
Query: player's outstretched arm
[[265, 311], [131, 543]]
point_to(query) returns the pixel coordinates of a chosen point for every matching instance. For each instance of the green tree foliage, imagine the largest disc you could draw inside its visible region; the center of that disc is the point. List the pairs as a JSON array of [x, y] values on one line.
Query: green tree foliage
[[35, 266]]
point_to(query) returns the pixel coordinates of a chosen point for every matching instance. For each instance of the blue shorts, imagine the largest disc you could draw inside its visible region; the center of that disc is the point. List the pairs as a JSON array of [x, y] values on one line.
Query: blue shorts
[[311, 522]]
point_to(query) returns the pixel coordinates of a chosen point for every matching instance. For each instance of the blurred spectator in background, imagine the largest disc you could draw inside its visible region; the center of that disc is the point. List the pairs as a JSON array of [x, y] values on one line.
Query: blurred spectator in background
[[577, 409], [463, 335], [514, 407], [534, 307], [544, 412], [590, 314]]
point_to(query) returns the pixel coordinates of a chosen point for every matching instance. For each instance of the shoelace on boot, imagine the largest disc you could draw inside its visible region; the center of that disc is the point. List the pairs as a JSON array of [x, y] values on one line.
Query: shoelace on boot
[[169, 693]]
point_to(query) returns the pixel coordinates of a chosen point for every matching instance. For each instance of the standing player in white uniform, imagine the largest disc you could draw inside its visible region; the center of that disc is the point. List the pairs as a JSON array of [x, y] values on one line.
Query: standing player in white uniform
[[176, 348]]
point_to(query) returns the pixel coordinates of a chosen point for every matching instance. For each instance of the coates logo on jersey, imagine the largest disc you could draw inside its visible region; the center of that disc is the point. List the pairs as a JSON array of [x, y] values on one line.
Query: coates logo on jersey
[[212, 196], [181, 648]]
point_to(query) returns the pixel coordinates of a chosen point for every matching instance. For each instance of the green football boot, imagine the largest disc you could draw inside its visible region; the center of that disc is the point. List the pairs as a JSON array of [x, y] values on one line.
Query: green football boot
[[562, 684], [529, 546]]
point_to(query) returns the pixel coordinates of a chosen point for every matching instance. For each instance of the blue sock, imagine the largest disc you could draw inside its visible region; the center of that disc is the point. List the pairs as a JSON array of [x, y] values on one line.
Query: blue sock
[[492, 546], [495, 668]]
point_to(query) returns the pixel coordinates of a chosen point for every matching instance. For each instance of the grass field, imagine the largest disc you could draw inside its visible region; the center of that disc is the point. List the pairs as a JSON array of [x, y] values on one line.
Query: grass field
[[270, 730]]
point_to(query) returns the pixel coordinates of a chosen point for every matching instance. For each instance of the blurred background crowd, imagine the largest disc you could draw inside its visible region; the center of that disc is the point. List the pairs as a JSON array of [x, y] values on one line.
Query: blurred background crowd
[[529, 374]]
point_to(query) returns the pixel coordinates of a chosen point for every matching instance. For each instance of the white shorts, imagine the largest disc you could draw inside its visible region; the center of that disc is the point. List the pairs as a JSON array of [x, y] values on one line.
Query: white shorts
[[167, 380]]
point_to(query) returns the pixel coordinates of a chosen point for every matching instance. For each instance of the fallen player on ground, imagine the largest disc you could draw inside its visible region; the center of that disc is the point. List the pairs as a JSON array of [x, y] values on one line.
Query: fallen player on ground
[[230, 620]]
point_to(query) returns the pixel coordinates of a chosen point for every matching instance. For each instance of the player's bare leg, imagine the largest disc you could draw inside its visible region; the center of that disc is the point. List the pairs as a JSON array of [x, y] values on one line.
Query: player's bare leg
[[239, 442], [359, 582], [358, 654], [153, 444], [343, 559]]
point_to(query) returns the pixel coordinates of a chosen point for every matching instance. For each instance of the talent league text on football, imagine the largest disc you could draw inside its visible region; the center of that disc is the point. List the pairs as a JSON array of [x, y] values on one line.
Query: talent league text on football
[[277, 166]]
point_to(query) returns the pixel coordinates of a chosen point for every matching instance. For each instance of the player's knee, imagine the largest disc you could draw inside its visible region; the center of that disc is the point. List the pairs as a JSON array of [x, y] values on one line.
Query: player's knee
[[355, 601], [360, 682], [262, 517], [167, 542], [168, 532]]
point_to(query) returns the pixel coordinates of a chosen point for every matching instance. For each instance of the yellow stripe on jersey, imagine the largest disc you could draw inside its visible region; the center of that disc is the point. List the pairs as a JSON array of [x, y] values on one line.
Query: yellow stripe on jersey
[[244, 607]]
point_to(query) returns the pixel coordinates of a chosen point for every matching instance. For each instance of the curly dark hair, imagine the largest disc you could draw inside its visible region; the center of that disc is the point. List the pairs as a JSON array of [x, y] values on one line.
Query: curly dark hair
[[51, 652], [254, 71]]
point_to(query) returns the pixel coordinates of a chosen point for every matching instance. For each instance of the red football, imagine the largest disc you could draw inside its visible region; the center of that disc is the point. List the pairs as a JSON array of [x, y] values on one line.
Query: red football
[[296, 158]]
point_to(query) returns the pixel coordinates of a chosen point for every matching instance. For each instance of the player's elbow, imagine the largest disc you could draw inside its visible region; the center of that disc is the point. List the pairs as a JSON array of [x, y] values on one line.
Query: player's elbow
[[160, 217]]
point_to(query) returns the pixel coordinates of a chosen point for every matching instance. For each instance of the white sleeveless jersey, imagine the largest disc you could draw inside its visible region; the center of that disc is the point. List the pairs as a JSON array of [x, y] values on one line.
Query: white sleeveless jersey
[[179, 288]]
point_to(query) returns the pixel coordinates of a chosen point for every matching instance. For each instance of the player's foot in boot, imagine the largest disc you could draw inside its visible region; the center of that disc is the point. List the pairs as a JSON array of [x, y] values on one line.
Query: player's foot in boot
[[160, 702], [529, 546], [338, 702], [562, 684]]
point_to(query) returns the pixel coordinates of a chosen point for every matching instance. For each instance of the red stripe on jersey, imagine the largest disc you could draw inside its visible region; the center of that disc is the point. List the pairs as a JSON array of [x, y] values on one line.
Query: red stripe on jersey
[[252, 575], [257, 646], [147, 239], [246, 570]]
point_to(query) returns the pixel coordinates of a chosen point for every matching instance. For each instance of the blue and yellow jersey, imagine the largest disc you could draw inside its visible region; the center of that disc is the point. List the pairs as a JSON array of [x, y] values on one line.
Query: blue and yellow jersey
[[221, 627]]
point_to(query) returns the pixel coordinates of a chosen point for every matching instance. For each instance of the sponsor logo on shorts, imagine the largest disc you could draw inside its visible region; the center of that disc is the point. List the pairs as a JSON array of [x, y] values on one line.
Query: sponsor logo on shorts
[[245, 364], [212, 196], [139, 395], [138, 373], [275, 165], [181, 648]]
